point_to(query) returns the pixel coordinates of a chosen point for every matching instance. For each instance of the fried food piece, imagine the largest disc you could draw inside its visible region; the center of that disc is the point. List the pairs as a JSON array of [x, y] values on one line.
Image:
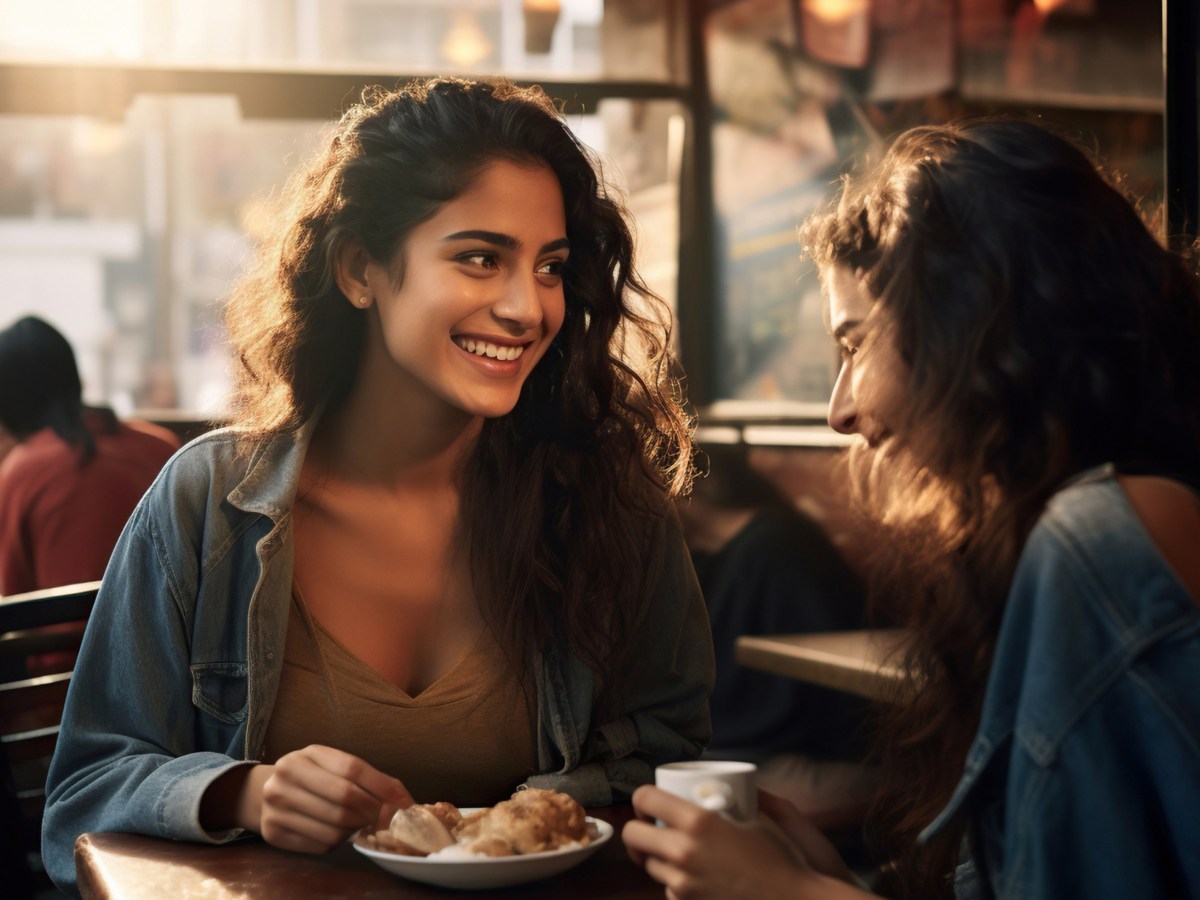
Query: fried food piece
[[422, 828], [447, 813], [383, 840], [533, 821]]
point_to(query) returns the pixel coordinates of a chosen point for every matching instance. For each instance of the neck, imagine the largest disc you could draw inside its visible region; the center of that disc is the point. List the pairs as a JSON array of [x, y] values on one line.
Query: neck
[[390, 430]]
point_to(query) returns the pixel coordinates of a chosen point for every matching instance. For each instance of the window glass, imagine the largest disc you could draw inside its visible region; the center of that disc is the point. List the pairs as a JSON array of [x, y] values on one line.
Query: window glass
[[537, 38], [803, 91]]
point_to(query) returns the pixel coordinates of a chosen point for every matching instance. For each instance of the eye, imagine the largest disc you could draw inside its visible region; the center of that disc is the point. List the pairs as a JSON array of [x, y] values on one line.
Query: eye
[[847, 351], [481, 259], [552, 269]]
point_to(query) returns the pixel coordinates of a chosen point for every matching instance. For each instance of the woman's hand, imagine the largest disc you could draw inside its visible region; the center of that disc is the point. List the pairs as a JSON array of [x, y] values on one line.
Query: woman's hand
[[816, 849], [700, 854], [311, 800]]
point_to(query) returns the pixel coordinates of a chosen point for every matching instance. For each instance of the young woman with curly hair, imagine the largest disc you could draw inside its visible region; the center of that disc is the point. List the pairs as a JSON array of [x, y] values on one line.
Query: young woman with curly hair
[[434, 558], [1022, 359]]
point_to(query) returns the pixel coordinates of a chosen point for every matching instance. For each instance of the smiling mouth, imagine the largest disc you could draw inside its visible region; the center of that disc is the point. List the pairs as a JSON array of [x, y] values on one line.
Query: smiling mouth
[[492, 351]]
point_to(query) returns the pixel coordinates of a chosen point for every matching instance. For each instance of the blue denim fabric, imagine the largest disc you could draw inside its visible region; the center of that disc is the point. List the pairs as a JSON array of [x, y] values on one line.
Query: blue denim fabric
[[1084, 777], [182, 656]]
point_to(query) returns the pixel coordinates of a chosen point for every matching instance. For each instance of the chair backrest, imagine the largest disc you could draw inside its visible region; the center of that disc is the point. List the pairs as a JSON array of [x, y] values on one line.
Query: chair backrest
[[40, 632]]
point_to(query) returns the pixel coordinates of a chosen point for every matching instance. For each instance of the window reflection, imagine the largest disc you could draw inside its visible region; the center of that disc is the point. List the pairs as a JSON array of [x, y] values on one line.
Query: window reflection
[[804, 91]]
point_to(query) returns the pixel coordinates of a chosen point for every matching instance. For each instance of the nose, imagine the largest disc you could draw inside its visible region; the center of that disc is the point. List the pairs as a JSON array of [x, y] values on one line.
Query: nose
[[520, 307], [843, 410]]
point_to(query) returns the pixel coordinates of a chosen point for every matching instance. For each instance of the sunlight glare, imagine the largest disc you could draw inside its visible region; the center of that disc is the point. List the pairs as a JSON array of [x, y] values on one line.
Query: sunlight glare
[[76, 29]]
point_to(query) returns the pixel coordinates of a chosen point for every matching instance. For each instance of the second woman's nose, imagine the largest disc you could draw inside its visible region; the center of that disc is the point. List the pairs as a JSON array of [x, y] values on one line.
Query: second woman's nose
[[843, 410]]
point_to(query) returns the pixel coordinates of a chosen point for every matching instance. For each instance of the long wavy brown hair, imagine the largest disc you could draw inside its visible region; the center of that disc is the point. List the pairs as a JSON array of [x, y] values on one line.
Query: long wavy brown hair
[[558, 495], [1044, 330]]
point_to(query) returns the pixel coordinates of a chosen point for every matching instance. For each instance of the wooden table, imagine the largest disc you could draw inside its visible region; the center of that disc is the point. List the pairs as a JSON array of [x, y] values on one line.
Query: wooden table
[[859, 662], [135, 867]]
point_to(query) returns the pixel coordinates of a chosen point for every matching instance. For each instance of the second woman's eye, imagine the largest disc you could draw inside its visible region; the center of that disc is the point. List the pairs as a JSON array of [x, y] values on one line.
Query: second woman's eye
[[481, 259], [552, 268]]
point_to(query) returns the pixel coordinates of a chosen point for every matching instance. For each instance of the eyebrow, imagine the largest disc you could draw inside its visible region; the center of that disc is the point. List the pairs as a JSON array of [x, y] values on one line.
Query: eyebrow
[[845, 328], [507, 241]]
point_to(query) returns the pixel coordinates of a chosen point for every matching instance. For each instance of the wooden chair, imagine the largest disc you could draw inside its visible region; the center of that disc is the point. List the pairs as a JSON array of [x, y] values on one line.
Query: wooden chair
[[40, 632]]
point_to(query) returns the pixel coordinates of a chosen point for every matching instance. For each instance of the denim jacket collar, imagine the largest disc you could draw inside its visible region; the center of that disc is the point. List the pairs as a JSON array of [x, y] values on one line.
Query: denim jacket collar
[[272, 477]]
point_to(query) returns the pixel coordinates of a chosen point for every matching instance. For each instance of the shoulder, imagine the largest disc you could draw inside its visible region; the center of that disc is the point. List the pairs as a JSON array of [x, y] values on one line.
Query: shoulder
[[151, 432], [36, 459], [1090, 599], [1091, 535], [1170, 513], [203, 473]]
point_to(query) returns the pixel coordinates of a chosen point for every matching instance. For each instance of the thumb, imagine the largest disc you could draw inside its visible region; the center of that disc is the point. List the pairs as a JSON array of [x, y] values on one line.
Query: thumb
[[396, 798]]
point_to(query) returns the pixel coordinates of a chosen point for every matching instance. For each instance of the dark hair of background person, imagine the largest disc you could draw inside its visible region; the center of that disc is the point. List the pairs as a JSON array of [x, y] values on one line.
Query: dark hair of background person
[[1045, 330], [555, 493], [40, 386]]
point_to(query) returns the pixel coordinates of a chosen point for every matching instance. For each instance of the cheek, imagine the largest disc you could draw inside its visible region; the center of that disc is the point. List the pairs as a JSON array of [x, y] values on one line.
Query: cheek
[[554, 313], [884, 390], [872, 390]]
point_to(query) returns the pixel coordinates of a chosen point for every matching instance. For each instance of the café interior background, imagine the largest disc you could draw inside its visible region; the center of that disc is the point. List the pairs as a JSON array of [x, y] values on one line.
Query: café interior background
[[142, 141]]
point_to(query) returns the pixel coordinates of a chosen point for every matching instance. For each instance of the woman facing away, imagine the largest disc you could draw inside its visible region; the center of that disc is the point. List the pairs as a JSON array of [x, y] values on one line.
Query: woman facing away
[[435, 559], [1023, 360], [73, 473]]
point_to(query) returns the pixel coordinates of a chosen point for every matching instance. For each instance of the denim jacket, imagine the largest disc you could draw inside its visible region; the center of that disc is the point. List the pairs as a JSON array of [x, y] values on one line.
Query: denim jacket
[[1084, 777], [182, 656]]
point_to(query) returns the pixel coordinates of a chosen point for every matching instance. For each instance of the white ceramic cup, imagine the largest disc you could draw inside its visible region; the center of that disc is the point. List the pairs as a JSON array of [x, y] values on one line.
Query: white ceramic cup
[[725, 786]]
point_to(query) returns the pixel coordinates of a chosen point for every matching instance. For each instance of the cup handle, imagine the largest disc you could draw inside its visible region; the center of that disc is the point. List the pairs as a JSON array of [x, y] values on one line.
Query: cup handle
[[713, 795]]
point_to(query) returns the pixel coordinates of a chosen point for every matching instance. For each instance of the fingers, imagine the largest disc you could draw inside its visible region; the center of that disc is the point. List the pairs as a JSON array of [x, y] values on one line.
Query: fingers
[[293, 831], [383, 787], [666, 875], [655, 803], [646, 841], [697, 854], [318, 796], [798, 833]]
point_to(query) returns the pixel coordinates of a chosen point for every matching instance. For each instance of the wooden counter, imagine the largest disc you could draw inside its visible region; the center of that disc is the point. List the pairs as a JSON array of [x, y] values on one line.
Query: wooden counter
[[854, 661]]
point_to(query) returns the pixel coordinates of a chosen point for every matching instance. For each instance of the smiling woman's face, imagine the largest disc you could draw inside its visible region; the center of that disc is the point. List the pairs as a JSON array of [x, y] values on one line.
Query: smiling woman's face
[[868, 390], [481, 297]]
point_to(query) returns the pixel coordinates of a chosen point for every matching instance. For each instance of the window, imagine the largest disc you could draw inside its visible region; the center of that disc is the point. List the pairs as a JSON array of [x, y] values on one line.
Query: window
[[141, 141], [803, 91]]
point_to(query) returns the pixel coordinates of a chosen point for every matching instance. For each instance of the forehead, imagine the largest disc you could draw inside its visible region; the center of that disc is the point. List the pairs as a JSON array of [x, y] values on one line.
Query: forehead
[[524, 201], [848, 301]]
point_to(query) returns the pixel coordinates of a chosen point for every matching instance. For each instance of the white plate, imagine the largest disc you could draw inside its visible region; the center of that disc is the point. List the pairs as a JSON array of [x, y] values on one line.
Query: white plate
[[488, 871]]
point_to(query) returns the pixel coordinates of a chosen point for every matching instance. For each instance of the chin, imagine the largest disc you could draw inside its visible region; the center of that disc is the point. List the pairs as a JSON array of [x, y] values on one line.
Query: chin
[[491, 410]]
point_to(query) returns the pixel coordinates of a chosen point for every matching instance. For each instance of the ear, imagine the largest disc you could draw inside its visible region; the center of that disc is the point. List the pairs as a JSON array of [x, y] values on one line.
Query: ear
[[350, 270]]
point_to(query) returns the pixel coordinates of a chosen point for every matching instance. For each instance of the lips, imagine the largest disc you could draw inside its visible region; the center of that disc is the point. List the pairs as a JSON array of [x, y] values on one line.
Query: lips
[[501, 352]]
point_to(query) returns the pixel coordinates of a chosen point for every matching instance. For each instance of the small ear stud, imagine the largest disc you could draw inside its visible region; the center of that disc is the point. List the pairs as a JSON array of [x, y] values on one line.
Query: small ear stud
[[363, 301]]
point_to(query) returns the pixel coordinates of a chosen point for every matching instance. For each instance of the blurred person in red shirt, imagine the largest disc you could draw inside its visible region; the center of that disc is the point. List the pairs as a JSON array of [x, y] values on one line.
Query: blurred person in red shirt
[[73, 473]]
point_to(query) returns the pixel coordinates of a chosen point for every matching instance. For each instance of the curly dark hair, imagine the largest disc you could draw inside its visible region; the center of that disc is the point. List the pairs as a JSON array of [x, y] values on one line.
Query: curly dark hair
[[557, 494], [1045, 330]]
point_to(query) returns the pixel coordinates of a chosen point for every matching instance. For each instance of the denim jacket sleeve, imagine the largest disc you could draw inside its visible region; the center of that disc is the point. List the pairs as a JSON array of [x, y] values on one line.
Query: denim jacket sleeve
[[666, 709], [1084, 777], [147, 726]]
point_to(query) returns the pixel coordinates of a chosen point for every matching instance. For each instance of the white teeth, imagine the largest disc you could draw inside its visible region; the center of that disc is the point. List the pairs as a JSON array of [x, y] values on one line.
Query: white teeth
[[482, 348]]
